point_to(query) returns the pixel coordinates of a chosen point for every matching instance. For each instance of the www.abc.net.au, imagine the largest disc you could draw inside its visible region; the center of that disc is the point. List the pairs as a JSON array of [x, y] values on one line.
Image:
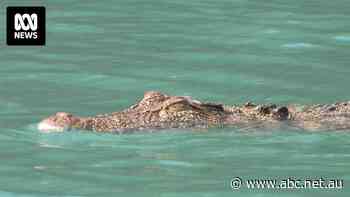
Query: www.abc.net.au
[[289, 183]]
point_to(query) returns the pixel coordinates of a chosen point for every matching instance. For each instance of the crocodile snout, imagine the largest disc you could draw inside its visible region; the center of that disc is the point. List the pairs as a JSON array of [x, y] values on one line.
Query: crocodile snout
[[59, 122]]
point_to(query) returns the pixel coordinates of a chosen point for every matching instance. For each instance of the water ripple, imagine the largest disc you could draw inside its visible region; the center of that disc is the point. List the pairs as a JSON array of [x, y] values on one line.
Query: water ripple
[[298, 45], [342, 38]]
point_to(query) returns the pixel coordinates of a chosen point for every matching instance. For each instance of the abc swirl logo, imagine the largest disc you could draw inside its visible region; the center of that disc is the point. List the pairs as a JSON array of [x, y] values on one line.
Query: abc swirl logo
[[25, 25], [22, 28]]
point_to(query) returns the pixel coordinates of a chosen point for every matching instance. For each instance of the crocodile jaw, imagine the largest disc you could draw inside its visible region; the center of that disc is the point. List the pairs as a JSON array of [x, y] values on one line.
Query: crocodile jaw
[[47, 127], [59, 122]]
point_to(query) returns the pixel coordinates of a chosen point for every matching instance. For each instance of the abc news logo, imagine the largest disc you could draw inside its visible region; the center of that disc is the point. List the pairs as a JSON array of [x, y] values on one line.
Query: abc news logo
[[26, 25]]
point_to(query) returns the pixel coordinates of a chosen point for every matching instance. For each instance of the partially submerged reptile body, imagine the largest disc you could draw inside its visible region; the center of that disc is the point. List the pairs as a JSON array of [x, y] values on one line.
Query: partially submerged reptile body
[[160, 111], [321, 116]]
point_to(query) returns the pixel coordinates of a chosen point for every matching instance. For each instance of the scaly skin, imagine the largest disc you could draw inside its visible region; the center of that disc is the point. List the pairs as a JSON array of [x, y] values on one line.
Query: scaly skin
[[159, 111], [315, 117]]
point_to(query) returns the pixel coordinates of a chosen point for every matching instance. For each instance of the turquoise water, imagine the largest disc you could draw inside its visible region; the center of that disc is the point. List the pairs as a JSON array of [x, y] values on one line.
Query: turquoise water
[[102, 55]]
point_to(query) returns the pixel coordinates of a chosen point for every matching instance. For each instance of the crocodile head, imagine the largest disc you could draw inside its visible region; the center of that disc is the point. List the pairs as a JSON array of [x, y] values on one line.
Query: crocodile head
[[61, 121], [155, 110]]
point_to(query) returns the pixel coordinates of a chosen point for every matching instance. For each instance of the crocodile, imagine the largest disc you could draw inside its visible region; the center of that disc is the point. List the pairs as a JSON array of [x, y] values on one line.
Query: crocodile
[[157, 110]]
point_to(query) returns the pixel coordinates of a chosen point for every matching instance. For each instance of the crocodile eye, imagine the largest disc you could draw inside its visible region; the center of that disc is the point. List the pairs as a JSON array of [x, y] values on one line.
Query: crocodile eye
[[178, 107]]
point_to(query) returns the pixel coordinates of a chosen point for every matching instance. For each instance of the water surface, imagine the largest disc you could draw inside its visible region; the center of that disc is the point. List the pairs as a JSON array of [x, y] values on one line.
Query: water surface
[[101, 56]]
